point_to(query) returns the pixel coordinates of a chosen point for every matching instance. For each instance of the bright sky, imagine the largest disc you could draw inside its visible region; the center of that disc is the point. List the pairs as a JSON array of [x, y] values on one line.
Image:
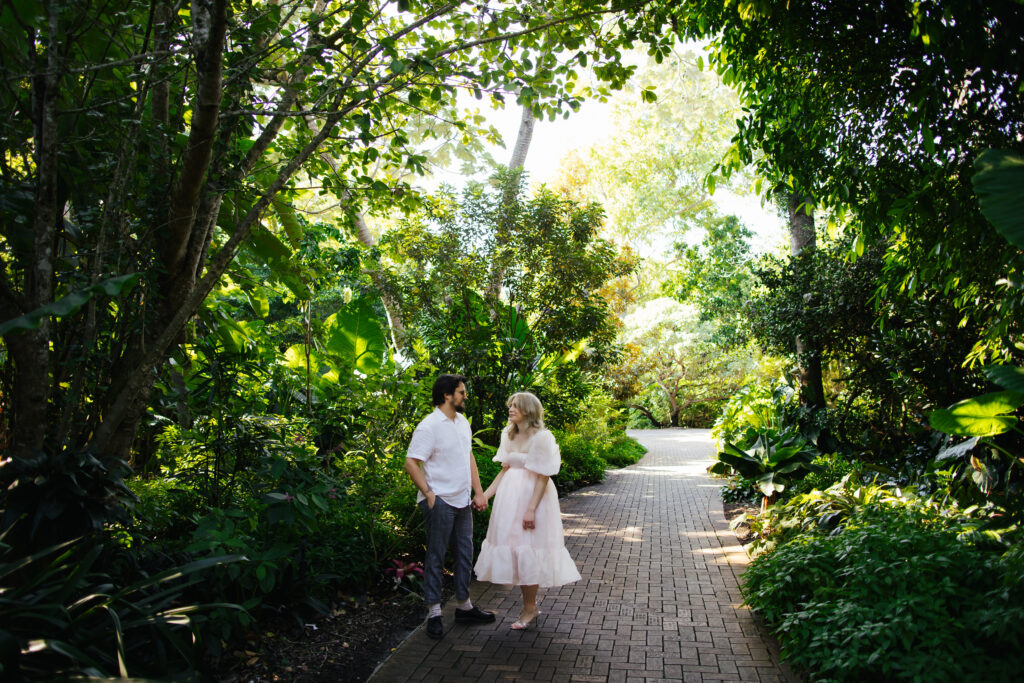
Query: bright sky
[[553, 140]]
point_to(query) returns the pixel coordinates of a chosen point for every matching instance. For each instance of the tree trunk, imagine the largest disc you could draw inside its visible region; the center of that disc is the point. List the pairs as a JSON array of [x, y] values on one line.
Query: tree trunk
[[508, 200], [30, 350], [523, 140], [191, 217], [802, 239], [648, 414]]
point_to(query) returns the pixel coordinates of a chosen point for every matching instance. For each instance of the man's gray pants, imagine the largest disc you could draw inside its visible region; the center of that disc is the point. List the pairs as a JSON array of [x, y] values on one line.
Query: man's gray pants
[[447, 526]]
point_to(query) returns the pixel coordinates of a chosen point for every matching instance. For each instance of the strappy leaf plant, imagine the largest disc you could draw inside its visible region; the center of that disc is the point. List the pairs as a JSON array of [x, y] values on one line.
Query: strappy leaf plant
[[61, 617]]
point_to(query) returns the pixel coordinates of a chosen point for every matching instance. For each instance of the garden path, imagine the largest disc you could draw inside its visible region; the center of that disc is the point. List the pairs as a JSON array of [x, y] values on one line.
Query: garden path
[[659, 599]]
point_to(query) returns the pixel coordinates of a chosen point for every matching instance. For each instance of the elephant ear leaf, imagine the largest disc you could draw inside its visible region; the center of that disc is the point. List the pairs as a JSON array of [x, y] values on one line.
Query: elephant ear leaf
[[985, 415], [999, 183], [356, 337], [1007, 376]]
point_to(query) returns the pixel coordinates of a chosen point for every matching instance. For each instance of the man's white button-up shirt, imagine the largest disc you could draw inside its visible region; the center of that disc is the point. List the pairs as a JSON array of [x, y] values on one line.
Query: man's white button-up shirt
[[444, 447]]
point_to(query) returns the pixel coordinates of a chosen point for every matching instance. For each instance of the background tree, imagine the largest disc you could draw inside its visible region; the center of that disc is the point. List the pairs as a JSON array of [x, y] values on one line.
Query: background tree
[[140, 167], [551, 323], [684, 375], [716, 277], [672, 125], [936, 83]]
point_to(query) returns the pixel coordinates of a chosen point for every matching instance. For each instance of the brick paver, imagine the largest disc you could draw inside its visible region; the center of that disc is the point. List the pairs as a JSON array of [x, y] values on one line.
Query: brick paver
[[659, 599]]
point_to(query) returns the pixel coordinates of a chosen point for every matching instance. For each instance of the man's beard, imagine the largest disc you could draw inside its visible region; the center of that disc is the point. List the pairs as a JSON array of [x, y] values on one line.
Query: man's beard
[[461, 408]]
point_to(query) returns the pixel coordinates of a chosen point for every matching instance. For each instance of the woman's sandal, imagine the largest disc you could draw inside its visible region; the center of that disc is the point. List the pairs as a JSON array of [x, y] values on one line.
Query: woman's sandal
[[519, 624]]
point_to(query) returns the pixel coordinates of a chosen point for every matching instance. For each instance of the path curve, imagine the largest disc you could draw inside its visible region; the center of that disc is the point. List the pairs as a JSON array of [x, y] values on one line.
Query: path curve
[[659, 599]]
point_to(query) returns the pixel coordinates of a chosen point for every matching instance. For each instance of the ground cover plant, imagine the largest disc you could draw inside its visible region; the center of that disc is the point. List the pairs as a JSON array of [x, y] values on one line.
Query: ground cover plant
[[895, 591]]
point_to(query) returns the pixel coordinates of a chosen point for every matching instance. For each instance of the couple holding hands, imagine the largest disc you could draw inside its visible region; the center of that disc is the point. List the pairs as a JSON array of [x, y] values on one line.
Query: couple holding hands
[[524, 545]]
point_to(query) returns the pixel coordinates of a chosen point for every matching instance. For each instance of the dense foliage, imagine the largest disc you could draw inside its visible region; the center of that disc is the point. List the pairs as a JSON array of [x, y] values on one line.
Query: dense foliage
[[186, 292], [898, 558], [895, 593], [212, 364]]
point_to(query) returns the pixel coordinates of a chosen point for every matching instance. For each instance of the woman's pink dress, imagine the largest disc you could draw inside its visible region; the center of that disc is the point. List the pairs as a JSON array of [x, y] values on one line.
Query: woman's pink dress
[[514, 556]]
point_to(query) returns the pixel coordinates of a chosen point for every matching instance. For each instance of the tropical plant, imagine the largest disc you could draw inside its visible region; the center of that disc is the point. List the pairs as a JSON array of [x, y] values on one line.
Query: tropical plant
[[754, 410], [895, 593], [63, 617], [773, 461], [990, 455]]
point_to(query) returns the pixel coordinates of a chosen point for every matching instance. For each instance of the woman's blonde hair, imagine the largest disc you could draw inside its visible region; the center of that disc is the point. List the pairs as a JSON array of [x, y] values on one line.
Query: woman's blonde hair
[[530, 408]]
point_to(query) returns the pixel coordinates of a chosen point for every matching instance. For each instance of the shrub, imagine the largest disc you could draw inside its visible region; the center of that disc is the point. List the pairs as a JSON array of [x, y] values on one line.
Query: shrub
[[752, 410], [894, 594], [306, 521], [581, 463], [623, 451], [830, 468], [740, 490]]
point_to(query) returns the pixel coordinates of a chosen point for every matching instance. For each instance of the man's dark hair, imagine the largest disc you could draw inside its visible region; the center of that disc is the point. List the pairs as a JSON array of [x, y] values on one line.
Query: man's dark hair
[[446, 384]]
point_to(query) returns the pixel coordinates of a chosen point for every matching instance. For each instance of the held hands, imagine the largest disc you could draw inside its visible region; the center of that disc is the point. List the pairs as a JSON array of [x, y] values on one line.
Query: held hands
[[528, 520], [480, 502]]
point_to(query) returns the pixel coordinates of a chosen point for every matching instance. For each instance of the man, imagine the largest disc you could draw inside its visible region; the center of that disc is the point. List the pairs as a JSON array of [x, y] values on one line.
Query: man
[[441, 464]]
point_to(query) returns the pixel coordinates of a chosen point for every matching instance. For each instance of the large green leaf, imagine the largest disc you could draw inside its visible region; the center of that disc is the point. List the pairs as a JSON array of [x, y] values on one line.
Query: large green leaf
[[985, 415], [68, 304], [741, 461], [958, 451], [999, 183], [355, 335], [1007, 376], [768, 485], [289, 220]]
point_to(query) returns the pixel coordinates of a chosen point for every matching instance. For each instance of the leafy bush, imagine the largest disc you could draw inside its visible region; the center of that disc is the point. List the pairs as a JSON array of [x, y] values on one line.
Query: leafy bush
[[304, 520], [829, 468], [894, 595], [740, 490], [62, 615], [754, 410], [822, 511], [55, 496], [581, 462], [622, 451], [774, 460]]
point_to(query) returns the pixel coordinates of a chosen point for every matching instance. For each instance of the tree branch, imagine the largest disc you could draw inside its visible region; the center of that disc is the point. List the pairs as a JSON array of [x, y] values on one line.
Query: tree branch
[[154, 354], [209, 19]]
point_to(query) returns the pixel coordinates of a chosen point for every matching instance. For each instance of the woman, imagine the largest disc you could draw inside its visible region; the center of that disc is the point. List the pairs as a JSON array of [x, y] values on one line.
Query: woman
[[524, 545]]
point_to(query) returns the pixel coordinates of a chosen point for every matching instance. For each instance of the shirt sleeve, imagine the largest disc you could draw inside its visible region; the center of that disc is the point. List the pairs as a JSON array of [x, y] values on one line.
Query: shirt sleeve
[[502, 453], [543, 456], [422, 443]]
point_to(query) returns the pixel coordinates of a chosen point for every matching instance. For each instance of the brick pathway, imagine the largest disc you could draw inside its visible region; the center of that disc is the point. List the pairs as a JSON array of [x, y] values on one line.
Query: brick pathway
[[659, 599]]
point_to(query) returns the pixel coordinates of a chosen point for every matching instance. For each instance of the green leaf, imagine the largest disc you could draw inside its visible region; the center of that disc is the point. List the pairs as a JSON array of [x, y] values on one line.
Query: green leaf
[[289, 219], [957, 451], [295, 357], [999, 183], [268, 246], [68, 304], [356, 336], [984, 415], [1007, 376], [259, 302]]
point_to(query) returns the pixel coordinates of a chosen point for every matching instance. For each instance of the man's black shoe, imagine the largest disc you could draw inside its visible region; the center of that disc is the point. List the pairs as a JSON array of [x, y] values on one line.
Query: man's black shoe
[[474, 615], [435, 629]]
